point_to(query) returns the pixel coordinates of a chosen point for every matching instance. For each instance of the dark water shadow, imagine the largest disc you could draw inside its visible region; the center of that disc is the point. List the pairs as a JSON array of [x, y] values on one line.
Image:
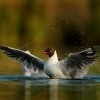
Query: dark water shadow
[[43, 78]]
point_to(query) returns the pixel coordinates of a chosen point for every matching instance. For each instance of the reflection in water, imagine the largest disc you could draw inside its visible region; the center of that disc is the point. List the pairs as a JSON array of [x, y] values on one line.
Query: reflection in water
[[27, 90], [49, 89], [53, 89]]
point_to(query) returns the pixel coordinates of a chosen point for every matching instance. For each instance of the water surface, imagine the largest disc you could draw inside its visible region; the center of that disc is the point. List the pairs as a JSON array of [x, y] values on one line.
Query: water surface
[[42, 88]]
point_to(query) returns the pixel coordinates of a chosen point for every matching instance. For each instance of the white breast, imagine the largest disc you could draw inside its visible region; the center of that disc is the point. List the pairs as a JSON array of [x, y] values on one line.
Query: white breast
[[51, 67]]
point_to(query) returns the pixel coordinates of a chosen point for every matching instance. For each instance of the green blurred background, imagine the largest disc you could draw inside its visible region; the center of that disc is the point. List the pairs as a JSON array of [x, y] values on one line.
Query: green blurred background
[[67, 25]]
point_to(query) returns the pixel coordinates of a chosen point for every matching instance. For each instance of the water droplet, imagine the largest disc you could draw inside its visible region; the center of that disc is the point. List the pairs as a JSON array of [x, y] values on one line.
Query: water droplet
[[62, 18], [62, 44], [53, 28], [71, 18], [61, 36], [70, 14], [79, 15]]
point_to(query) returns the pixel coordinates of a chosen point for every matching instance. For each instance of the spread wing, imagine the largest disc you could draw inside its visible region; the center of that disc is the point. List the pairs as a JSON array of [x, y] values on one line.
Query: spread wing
[[76, 65], [28, 60]]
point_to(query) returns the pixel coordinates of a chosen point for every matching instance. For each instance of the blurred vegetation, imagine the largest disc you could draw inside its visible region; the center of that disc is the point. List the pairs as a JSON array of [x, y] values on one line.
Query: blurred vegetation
[[65, 25]]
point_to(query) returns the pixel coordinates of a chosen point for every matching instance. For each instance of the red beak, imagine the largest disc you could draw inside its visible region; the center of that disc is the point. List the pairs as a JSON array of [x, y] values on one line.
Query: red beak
[[45, 52]]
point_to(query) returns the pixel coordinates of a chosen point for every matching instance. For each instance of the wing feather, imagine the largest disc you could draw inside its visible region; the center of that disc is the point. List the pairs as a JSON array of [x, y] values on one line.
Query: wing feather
[[24, 57], [76, 65]]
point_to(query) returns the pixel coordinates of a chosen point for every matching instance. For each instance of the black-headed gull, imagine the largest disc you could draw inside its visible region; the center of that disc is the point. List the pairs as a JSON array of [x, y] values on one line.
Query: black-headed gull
[[76, 65]]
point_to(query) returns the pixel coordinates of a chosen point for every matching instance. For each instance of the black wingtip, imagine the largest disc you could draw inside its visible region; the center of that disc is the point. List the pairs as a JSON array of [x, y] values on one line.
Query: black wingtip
[[90, 52], [97, 49], [4, 48], [93, 51]]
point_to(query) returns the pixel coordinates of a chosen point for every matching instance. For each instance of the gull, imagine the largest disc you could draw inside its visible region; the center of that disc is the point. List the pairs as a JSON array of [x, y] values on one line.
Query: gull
[[75, 65]]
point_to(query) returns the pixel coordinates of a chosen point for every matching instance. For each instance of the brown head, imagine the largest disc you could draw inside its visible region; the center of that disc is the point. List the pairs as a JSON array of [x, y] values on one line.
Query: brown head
[[49, 51]]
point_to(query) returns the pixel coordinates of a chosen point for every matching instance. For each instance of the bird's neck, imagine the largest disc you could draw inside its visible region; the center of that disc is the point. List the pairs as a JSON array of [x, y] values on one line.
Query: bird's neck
[[53, 59]]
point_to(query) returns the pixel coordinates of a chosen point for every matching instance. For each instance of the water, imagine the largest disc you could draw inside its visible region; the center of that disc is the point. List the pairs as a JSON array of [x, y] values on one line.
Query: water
[[42, 88]]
